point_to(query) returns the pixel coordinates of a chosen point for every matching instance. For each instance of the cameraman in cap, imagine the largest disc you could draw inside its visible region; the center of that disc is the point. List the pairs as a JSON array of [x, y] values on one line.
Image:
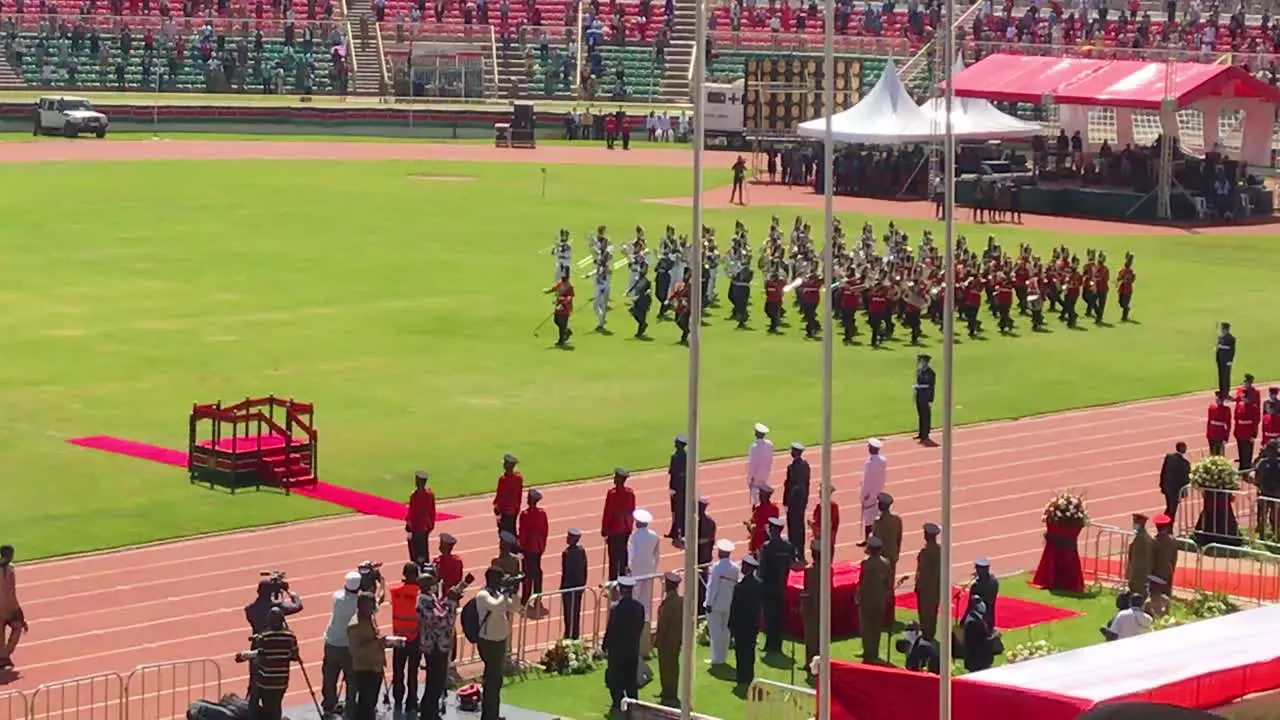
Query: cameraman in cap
[[494, 604], [337, 651], [274, 597], [271, 651]]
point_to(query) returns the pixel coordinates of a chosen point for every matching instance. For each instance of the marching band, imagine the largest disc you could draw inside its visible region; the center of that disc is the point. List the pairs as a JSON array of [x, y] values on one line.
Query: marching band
[[892, 283]]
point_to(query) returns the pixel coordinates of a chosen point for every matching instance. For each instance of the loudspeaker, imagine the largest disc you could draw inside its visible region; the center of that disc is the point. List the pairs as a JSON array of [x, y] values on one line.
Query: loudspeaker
[[523, 119], [782, 92]]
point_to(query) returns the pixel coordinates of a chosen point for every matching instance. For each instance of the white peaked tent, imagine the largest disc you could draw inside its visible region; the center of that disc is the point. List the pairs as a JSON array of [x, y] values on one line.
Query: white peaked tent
[[880, 118], [975, 118]]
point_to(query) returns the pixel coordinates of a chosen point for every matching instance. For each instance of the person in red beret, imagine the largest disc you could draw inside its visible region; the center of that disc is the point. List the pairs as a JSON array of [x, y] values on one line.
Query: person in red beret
[[1165, 557]]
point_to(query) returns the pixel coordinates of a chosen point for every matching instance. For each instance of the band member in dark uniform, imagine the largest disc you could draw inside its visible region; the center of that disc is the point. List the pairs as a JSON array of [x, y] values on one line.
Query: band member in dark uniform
[[795, 497], [923, 389], [1225, 355], [739, 180], [676, 471], [740, 295], [774, 288], [706, 547], [744, 621], [662, 284], [776, 559], [1124, 286], [563, 291], [641, 300], [573, 574], [680, 303]]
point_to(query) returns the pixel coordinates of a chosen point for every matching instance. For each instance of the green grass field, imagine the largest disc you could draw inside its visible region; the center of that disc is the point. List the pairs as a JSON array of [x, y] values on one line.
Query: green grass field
[[404, 309]]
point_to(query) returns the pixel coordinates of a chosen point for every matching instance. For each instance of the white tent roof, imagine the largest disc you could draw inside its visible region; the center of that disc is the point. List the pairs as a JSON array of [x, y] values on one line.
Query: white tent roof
[[975, 118], [878, 119], [888, 116]]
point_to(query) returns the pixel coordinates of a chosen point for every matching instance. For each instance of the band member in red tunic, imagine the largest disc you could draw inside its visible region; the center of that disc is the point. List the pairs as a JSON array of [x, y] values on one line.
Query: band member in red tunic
[[680, 303], [1270, 429], [815, 523], [1218, 428], [877, 313], [616, 523], [510, 493], [1004, 303], [774, 289], [810, 297], [533, 543], [1075, 285], [973, 288], [913, 304], [420, 518], [1124, 286], [1247, 416], [1101, 285], [1035, 301], [760, 515], [1021, 276], [563, 291], [1248, 390]]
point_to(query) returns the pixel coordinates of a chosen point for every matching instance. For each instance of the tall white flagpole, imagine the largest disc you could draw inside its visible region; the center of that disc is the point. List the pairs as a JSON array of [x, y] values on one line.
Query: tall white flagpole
[[689, 614], [828, 263], [948, 360]]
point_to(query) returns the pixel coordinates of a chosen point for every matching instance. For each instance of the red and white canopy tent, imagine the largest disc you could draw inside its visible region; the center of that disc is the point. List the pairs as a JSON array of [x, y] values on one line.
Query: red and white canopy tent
[[1077, 84]]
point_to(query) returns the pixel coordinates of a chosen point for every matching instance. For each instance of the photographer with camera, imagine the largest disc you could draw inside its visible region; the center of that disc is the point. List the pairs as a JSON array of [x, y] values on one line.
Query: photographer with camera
[[372, 582], [437, 607], [274, 596], [920, 652], [337, 651], [404, 623], [271, 651], [368, 656], [494, 605]]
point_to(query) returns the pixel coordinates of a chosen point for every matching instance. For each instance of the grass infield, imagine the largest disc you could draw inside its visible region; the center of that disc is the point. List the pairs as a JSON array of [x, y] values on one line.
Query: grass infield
[[404, 309]]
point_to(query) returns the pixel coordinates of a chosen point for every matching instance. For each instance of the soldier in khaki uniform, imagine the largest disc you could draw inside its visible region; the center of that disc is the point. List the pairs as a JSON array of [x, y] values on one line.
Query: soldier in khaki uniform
[[667, 640], [809, 606], [1165, 558], [888, 527], [506, 561], [874, 587], [929, 581], [1141, 556]]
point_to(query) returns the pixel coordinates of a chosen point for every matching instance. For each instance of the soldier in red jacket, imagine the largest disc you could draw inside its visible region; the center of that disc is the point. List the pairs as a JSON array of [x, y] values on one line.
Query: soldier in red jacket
[[774, 288], [1101, 286], [616, 521], [1247, 418], [850, 301], [810, 298], [506, 501], [1004, 303], [533, 542], [448, 565], [972, 304], [1218, 428], [1270, 428], [1248, 390], [420, 518], [877, 314], [760, 515], [1124, 286]]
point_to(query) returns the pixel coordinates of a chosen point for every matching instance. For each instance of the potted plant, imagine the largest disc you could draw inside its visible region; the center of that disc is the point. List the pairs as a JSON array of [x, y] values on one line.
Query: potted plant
[[1218, 482], [1064, 517]]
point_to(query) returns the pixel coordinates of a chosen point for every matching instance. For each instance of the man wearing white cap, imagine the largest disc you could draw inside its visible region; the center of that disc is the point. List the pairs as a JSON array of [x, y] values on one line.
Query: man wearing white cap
[[759, 463], [337, 650], [721, 581], [875, 474], [642, 559]]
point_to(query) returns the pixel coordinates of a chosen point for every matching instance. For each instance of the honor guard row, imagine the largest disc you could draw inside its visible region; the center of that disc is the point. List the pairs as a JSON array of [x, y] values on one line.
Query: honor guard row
[[889, 286]]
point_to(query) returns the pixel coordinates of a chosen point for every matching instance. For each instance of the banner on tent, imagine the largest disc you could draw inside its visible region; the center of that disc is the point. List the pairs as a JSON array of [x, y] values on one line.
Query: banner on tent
[[779, 93]]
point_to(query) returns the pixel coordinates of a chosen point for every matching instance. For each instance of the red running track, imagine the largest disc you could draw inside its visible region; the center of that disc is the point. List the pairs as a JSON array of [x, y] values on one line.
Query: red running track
[[184, 599]]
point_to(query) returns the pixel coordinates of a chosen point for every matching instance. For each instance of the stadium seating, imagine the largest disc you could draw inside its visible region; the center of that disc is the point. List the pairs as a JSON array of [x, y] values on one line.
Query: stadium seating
[[137, 8]]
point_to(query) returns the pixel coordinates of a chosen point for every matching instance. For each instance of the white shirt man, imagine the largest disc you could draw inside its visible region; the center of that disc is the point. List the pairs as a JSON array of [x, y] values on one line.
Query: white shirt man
[[642, 558], [875, 475], [721, 580], [759, 463], [1130, 622]]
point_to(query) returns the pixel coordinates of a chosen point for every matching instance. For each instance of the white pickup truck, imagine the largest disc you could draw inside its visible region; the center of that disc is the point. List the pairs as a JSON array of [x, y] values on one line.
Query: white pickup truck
[[68, 116]]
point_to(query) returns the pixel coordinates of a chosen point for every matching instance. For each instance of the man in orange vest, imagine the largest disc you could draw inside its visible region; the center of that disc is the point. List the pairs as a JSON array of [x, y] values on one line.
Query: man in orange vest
[[405, 658]]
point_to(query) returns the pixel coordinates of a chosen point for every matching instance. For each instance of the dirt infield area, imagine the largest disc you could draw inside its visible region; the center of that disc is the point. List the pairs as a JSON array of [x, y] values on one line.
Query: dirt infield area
[[757, 194]]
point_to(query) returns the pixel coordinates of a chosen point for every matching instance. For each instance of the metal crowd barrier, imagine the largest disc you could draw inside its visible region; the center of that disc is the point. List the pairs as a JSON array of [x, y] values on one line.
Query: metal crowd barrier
[[542, 630], [165, 690], [1244, 573], [92, 697], [641, 710], [14, 705], [768, 700], [1191, 507], [1107, 554]]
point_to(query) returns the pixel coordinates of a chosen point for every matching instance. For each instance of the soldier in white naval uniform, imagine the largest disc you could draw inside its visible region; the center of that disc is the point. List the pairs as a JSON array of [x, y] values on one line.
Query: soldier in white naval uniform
[[875, 475], [721, 580], [759, 463], [642, 559]]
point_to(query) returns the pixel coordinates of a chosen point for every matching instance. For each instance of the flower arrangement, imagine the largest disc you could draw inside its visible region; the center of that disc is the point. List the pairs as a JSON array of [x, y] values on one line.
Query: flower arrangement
[[567, 657], [1066, 508], [1169, 620], [1031, 650], [1211, 605], [1215, 473], [703, 633]]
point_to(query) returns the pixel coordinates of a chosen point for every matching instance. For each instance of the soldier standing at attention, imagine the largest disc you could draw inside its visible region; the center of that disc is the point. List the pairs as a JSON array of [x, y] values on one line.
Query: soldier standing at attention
[[616, 522], [668, 638], [923, 389], [448, 566], [1247, 417], [759, 462], [506, 561], [506, 501], [795, 497], [1225, 355], [1165, 559], [676, 471], [888, 527], [641, 299], [929, 581], [621, 644], [1218, 428], [1141, 555], [573, 576], [744, 621], [533, 543], [563, 291], [1124, 286], [872, 595], [719, 595], [706, 543], [420, 518], [776, 559]]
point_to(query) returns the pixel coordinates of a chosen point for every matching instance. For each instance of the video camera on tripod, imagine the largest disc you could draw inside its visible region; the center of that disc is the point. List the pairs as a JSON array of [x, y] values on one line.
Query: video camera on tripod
[[276, 581], [370, 575]]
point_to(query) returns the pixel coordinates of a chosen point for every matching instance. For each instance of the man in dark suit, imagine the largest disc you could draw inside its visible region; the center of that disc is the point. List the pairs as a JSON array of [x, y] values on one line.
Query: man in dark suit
[[1224, 355], [621, 644], [923, 390], [795, 496], [1175, 474]]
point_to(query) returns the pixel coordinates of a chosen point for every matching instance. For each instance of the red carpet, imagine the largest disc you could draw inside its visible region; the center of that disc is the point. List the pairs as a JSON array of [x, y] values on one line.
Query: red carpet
[[1011, 613], [361, 502]]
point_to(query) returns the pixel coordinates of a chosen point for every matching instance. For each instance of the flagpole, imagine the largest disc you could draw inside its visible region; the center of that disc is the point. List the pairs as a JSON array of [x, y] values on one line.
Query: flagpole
[[948, 360], [689, 614], [828, 262]]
